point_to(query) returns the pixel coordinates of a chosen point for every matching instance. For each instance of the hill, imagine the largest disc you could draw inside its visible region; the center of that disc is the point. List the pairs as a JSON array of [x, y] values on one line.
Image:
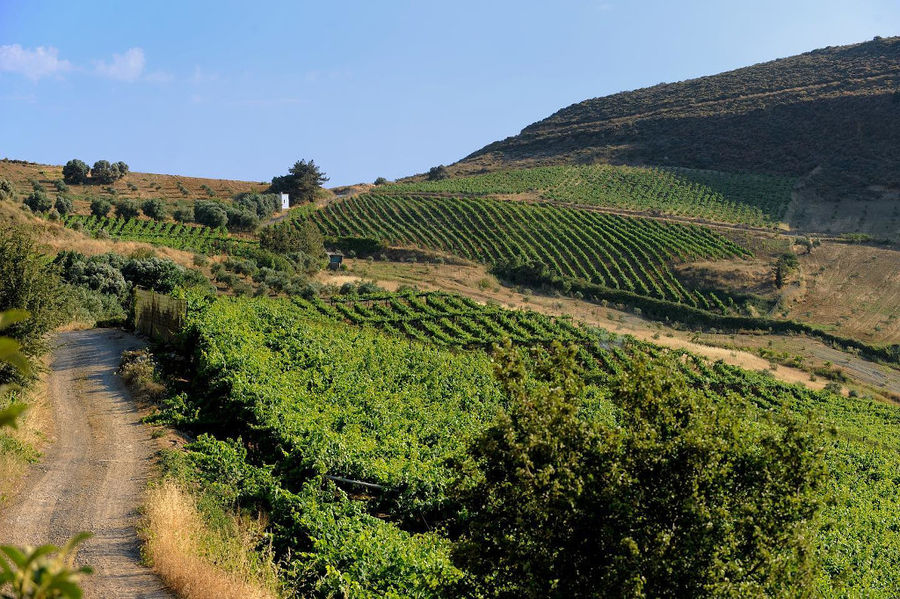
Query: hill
[[831, 115], [174, 189]]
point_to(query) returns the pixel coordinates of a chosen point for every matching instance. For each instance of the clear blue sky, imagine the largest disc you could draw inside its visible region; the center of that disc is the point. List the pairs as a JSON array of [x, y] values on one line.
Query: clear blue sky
[[366, 88]]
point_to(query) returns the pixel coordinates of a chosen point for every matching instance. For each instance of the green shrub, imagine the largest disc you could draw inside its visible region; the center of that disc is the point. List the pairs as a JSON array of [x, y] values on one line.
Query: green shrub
[[38, 201], [75, 172], [184, 214], [127, 208], [6, 189], [211, 214], [63, 205], [154, 208], [100, 207]]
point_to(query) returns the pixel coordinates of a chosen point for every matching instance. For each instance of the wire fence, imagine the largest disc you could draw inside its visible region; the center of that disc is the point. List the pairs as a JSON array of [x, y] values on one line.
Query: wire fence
[[158, 316]]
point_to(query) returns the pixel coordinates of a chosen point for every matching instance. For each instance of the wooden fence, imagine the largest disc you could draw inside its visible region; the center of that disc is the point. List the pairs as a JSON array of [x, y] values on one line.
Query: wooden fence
[[158, 316]]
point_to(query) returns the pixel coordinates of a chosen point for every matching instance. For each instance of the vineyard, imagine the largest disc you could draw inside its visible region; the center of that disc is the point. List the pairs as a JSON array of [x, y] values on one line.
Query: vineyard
[[759, 200], [318, 392], [615, 252], [180, 236]]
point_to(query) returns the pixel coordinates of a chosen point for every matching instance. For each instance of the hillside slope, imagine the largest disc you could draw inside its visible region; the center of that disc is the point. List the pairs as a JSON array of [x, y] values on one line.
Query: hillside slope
[[835, 110]]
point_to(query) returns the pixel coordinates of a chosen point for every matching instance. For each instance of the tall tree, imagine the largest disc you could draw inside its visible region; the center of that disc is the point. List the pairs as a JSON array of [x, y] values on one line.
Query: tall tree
[[301, 182], [75, 171]]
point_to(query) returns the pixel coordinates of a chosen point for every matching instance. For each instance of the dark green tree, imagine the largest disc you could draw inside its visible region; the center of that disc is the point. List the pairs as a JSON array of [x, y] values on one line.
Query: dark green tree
[[211, 214], [38, 201], [683, 497], [127, 208], [104, 172], [297, 236], [183, 214], [121, 169], [75, 172], [436, 173], [301, 183], [63, 205], [100, 207], [154, 208]]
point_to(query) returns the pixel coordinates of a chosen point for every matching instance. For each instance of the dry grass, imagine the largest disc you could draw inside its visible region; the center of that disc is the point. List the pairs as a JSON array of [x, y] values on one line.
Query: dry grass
[[191, 560], [138, 370], [25, 442]]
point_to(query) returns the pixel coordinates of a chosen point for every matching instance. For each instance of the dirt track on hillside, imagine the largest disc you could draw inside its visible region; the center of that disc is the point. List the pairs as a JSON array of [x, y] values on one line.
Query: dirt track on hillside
[[94, 472]]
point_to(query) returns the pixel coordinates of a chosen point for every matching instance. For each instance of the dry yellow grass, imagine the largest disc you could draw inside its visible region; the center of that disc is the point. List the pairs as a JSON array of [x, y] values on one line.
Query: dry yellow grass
[[178, 545], [35, 426]]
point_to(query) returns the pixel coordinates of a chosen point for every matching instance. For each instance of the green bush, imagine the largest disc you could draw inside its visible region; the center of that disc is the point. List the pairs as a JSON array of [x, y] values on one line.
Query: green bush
[[38, 201], [63, 205], [154, 208], [6, 189], [61, 186], [100, 207], [104, 172], [683, 497], [184, 214], [211, 214], [75, 172], [127, 208]]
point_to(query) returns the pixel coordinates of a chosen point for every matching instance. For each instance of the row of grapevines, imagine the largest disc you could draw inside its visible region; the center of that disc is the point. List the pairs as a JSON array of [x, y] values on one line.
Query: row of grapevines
[[172, 234], [729, 197], [617, 252]]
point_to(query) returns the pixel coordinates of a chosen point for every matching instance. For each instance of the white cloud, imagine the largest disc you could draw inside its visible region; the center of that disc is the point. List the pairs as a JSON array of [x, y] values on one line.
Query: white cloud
[[124, 67], [34, 64]]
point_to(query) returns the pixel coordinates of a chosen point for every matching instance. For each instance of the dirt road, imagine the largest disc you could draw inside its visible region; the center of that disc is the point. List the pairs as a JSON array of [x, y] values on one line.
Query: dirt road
[[95, 470]]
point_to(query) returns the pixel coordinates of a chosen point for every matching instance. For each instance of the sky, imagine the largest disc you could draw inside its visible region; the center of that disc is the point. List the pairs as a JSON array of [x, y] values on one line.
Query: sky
[[242, 90]]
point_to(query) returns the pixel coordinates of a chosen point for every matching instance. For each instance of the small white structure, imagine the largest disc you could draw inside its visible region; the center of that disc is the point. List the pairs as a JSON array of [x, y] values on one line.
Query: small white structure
[[285, 201]]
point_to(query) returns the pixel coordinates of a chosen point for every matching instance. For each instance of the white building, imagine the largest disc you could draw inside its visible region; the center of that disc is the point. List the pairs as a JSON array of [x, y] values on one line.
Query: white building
[[285, 201]]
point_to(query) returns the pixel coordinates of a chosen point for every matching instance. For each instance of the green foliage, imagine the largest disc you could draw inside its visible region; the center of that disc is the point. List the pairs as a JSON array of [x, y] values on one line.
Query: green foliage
[[438, 173], [63, 205], [750, 199], [103, 172], [100, 207], [784, 266], [184, 214], [127, 208], [296, 236], [618, 253], [263, 205], [684, 497], [46, 572], [113, 274], [6, 189], [121, 169], [301, 182], [75, 172], [61, 186], [38, 201], [381, 181], [176, 235], [154, 208], [210, 214], [28, 282]]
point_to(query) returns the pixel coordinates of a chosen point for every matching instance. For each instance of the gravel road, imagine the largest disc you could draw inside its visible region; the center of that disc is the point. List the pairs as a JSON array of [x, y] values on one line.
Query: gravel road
[[95, 470]]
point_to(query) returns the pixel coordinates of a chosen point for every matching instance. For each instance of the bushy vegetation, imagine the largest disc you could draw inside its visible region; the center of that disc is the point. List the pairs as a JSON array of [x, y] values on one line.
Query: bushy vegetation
[[302, 408], [100, 207], [126, 208], [154, 208], [28, 282], [75, 172], [38, 201]]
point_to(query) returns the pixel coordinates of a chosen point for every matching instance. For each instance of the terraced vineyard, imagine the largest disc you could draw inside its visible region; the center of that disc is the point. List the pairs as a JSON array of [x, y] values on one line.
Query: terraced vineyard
[[176, 235], [318, 398], [622, 253], [759, 200]]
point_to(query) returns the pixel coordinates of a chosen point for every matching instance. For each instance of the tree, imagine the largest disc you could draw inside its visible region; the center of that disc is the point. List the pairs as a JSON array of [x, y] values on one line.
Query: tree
[[298, 236], [808, 243], [38, 201], [6, 189], [28, 282], [63, 205], [100, 207], [127, 208], [682, 497], [154, 208], [301, 182], [380, 181], [75, 172], [211, 214], [104, 172], [436, 173], [183, 214], [121, 169]]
